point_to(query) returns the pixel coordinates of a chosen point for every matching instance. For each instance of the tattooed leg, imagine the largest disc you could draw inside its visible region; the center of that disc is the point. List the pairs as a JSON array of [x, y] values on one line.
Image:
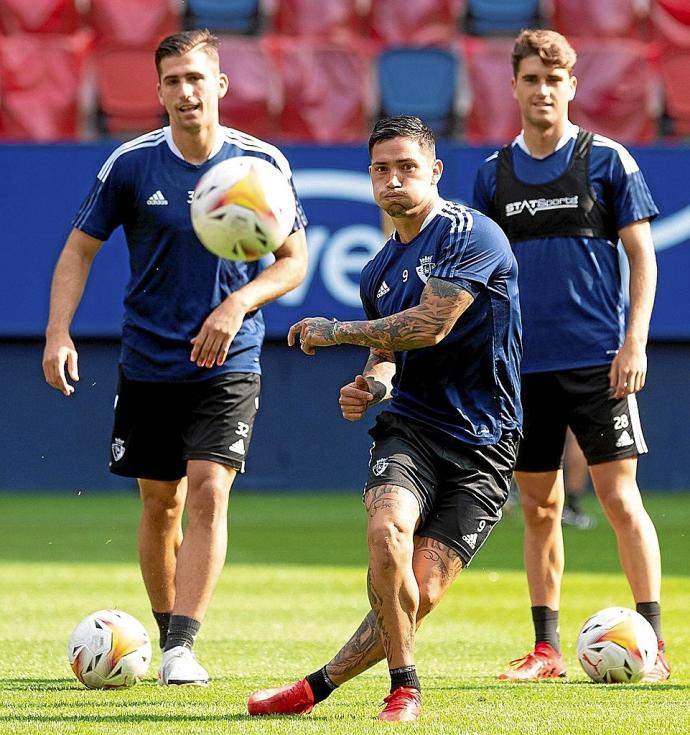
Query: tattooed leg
[[435, 567]]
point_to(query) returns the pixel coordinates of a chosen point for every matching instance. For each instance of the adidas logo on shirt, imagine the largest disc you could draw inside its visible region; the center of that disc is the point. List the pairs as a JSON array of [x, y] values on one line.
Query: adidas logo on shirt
[[383, 290], [470, 539], [237, 447], [624, 440], [156, 199]]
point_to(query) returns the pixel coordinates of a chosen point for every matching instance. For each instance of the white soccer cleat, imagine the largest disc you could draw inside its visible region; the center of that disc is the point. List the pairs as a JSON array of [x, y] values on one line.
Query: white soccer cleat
[[179, 666]]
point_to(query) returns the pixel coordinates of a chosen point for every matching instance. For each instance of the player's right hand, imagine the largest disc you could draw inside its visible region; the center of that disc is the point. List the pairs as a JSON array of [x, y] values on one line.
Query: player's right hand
[[355, 398], [55, 356]]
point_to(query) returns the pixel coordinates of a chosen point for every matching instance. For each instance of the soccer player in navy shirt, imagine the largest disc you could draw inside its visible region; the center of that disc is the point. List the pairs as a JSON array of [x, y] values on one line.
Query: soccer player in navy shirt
[[192, 334], [443, 333], [564, 196]]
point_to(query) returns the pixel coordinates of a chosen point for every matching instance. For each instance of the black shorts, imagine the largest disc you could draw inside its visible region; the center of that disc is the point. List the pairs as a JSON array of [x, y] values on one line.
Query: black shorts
[[460, 487], [606, 428], [159, 426]]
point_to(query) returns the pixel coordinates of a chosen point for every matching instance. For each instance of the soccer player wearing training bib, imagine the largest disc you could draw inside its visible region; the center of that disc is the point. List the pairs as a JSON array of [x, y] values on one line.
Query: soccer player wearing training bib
[[564, 196], [189, 366], [443, 334]]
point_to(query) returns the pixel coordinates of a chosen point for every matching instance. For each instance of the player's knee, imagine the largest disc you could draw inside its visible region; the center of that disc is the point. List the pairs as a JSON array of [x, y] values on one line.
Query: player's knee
[[207, 502], [538, 509], [165, 505], [430, 594], [622, 508], [389, 542]]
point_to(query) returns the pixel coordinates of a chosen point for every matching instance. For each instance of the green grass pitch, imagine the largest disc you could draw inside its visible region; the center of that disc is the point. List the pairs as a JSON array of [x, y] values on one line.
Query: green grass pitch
[[292, 591]]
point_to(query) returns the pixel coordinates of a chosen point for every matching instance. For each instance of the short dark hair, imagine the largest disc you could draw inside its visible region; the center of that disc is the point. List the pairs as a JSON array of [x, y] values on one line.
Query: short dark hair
[[403, 126], [551, 47], [183, 42]]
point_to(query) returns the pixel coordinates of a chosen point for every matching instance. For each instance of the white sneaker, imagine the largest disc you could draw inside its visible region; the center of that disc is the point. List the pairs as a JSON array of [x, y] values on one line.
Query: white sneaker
[[179, 666]]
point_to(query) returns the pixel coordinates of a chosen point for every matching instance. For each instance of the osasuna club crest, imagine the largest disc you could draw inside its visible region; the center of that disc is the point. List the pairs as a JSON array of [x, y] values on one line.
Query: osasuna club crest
[[380, 466], [425, 267], [118, 449]]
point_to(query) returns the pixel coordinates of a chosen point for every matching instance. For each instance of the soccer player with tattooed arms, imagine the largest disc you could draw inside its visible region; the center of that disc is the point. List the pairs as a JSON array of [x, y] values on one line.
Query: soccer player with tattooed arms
[[443, 334]]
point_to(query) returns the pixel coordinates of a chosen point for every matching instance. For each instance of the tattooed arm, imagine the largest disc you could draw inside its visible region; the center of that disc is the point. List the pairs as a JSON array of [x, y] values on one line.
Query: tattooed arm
[[424, 325]]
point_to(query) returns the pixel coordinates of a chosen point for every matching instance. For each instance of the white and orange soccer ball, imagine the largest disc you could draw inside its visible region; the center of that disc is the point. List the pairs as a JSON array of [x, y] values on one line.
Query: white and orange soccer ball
[[109, 649], [616, 645], [243, 208]]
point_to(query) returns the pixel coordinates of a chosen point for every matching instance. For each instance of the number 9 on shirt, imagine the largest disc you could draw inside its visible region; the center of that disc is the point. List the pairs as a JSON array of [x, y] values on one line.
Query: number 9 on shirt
[[243, 208]]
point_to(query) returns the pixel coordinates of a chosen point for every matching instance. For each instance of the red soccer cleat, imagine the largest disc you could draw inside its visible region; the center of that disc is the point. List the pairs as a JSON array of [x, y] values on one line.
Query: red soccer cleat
[[403, 704], [661, 671], [293, 699], [545, 662]]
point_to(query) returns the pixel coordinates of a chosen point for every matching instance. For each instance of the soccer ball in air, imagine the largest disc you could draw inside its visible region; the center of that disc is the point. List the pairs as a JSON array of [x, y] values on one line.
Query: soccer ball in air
[[243, 208], [109, 649], [616, 645]]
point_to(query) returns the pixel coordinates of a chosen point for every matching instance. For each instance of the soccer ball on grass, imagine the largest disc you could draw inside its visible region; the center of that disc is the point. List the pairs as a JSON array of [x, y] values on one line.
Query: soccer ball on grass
[[109, 649], [616, 645], [243, 208]]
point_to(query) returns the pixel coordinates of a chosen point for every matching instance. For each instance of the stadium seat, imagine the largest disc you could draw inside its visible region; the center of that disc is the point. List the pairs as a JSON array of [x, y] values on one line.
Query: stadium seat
[[326, 88], [670, 22], [324, 18], [136, 23], [224, 16], [613, 18], [42, 81], [39, 16], [495, 17], [412, 23], [253, 97], [674, 67], [422, 82], [126, 82], [493, 115], [617, 93]]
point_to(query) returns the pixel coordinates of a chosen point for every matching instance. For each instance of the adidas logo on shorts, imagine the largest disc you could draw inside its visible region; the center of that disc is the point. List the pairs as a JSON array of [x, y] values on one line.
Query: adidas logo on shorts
[[470, 539]]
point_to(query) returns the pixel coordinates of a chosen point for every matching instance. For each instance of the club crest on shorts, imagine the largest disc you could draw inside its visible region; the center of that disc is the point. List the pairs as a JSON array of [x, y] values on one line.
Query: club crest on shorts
[[380, 466], [118, 448], [425, 267]]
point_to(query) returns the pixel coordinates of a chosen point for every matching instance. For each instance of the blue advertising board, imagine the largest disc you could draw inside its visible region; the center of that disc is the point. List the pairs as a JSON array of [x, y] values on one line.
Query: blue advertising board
[[42, 186]]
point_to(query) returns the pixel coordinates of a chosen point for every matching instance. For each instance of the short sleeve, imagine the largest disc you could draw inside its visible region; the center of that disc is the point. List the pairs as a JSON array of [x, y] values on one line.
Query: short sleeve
[[485, 187], [102, 210], [473, 249]]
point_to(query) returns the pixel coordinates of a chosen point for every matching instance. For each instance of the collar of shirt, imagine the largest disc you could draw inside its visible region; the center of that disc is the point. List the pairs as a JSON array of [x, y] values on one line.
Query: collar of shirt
[[218, 144], [570, 133]]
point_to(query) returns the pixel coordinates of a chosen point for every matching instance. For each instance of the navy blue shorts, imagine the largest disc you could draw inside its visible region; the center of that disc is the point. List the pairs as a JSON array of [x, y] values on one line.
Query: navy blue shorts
[[461, 488], [158, 427]]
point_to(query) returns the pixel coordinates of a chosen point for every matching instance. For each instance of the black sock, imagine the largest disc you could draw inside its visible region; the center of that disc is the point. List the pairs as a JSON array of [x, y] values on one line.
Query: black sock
[[405, 676], [163, 622], [321, 685], [181, 632], [651, 612], [546, 626]]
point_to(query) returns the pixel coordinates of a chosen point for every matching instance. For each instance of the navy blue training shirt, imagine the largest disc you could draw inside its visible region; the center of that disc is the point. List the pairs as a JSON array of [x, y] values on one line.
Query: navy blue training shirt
[[175, 283], [573, 308], [467, 385]]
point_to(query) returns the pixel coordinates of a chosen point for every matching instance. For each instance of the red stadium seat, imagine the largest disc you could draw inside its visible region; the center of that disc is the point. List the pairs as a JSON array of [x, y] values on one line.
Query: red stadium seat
[[613, 18], [670, 20], [136, 23], [493, 116], [617, 89], [42, 82], [126, 82], [674, 67], [39, 16], [326, 89], [414, 22], [324, 18], [252, 100]]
